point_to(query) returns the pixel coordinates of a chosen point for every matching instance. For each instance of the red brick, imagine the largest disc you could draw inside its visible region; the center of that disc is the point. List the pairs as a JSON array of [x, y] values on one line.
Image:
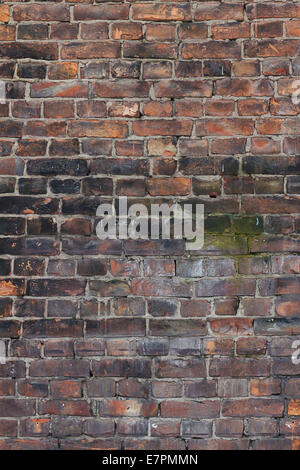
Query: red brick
[[253, 407], [183, 409], [165, 12]]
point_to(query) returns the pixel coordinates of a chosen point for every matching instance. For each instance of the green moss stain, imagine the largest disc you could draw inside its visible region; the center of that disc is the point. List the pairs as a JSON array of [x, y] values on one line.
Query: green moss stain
[[247, 225], [217, 224]]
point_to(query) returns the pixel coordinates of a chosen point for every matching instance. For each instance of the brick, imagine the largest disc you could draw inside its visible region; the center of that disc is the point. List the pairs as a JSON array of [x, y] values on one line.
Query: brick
[[97, 129], [164, 389], [121, 367], [40, 13], [191, 428], [94, 31], [90, 50], [127, 148], [293, 407], [226, 127], [101, 387], [59, 368], [177, 327], [286, 307], [91, 267], [36, 31], [14, 50], [190, 368], [129, 307], [231, 31], [150, 50], [274, 10], [35, 427], [289, 426], [291, 387], [128, 408], [253, 407], [188, 68], [246, 68], [226, 307], [128, 31], [220, 287], [61, 308], [96, 428], [110, 288], [262, 427], [218, 444], [7, 387], [155, 267], [229, 428], [163, 127], [50, 287], [265, 387], [133, 388], [219, 108], [58, 348], [11, 407], [8, 427], [161, 288], [47, 328], [64, 407], [4, 14], [62, 427], [232, 326], [255, 346], [228, 388], [25, 348], [131, 187], [63, 31], [168, 186], [153, 347], [233, 11], [7, 32], [278, 326], [168, 429], [101, 12], [90, 348], [97, 443], [180, 89], [120, 69], [236, 367], [281, 346], [128, 109], [120, 89], [144, 344], [201, 388], [33, 388], [271, 48], [276, 67], [271, 29], [161, 12], [178, 409], [211, 50]]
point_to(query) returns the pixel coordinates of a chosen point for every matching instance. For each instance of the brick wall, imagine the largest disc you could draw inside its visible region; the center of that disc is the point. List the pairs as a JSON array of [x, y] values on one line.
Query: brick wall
[[141, 345]]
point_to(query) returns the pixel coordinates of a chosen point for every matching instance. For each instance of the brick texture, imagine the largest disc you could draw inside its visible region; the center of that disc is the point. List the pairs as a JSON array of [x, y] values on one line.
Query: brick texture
[[144, 345]]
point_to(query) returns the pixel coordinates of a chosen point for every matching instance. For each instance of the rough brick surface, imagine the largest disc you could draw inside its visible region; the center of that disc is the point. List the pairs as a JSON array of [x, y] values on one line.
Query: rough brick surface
[[143, 345]]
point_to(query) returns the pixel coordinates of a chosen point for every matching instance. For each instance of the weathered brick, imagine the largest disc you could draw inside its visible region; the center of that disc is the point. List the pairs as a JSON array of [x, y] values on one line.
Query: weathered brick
[[237, 367], [122, 367], [145, 344], [161, 12], [253, 407], [128, 408], [12, 407], [184, 409], [190, 368]]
